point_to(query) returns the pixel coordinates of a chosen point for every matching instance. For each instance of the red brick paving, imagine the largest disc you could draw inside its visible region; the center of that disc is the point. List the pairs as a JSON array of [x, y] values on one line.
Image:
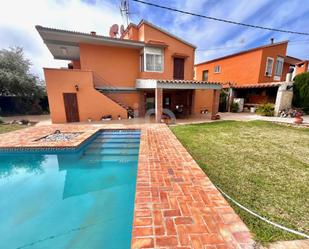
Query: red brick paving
[[186, 209], [176, 205]]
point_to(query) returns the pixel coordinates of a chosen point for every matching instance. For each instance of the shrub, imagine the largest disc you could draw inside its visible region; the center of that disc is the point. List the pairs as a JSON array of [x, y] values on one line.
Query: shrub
[[301, 91], [234, 107], [266, 110], [223, 100]]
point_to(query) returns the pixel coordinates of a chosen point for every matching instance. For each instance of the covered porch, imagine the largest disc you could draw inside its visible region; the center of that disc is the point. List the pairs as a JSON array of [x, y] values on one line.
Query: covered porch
[[175, 98]]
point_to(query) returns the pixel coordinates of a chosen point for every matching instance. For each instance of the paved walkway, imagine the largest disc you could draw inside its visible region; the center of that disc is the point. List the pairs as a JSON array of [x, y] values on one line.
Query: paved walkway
[[45, 119], [176, 205]]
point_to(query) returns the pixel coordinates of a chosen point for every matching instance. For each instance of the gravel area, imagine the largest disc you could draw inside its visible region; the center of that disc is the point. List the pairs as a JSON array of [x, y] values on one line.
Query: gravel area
[[60, 136]]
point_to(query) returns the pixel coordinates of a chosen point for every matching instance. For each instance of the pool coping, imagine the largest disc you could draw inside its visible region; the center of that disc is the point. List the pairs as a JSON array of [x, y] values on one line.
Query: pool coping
[[176, 205]]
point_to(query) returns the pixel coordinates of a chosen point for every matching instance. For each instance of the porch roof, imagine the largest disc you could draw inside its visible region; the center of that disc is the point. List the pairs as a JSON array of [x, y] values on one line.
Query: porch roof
[[176, 84], [259, 85]]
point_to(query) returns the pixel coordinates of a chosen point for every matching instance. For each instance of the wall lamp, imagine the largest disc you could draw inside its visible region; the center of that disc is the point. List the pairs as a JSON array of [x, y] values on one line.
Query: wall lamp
[[76, 88]]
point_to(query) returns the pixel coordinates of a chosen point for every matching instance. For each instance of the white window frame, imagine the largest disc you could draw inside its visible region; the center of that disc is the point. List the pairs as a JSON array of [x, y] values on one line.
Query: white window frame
[[219, 67], [153, 51], [281, 59], [272, 65]]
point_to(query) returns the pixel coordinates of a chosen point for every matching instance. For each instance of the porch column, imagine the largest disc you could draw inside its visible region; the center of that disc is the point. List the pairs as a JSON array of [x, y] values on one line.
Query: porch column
[[142, 104], [230, 98], [158, 104], [215, 103]]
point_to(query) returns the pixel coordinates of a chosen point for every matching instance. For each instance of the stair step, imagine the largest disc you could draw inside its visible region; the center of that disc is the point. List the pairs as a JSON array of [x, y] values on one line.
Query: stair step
[[123, 152], [114, 145], [111, 158], [120, 140], [122, 132], [118, 136]]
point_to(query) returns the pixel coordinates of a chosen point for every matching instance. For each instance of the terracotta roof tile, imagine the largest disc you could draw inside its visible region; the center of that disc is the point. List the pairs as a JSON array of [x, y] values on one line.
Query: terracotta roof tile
[[188, 82], [259, 85]]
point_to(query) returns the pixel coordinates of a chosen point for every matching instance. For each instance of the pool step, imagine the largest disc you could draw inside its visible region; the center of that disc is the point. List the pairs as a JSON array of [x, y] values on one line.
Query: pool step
[[121, 133], [118, 136], [116, 155], [111, 158], [114, 145], [112, 151], [120, 140]]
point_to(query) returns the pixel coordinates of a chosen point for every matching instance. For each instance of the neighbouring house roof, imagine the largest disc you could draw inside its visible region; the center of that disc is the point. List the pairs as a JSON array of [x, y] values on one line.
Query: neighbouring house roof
[[176, 84], [143, 21], [292, 60], [259, 85], [243, 52], [64, 44]]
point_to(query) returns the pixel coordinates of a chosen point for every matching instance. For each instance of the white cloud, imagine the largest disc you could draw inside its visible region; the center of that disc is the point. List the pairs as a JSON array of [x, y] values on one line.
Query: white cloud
[[18, 20]]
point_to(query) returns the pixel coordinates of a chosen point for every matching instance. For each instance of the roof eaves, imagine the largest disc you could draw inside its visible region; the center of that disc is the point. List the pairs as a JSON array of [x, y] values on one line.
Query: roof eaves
[[95, 37], [143, 21]]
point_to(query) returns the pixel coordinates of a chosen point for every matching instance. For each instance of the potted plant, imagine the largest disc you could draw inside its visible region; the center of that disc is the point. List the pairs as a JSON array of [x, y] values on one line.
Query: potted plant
[[298, 119]]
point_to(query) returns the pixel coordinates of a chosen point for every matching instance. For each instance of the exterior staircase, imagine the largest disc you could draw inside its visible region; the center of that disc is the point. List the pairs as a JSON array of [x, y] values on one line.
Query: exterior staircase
[[107, 89], [107, 93]]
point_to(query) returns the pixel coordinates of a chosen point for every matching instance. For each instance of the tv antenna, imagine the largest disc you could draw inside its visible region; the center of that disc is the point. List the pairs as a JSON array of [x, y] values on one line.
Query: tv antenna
[[125, 11]]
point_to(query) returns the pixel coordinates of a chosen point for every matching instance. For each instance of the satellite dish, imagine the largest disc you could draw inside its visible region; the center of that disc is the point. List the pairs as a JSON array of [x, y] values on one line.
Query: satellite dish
[[113, 31], [121, 29]]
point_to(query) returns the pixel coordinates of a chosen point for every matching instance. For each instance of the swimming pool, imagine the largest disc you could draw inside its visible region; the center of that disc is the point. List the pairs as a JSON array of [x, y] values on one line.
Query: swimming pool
[[79, 200]]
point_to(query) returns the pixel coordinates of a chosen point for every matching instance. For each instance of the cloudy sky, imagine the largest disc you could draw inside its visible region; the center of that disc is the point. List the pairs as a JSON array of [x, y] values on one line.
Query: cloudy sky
[[213, 39]]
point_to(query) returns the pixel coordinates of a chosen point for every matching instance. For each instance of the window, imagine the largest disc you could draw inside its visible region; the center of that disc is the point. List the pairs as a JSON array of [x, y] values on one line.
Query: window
[[279, 66], [217, 69], [205, 75], [152, 60], [269, 66]]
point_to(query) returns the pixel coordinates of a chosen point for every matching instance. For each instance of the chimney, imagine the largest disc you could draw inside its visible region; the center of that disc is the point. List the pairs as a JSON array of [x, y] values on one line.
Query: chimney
[[271, 40], [93, 33]]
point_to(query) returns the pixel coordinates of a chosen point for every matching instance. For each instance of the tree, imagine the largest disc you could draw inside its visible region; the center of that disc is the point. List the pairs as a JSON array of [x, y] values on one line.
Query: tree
[[15, 76], [301, 91]]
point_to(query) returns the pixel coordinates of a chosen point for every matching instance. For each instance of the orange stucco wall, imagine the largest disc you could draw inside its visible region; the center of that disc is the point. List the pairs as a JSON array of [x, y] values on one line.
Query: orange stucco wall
[[131, 34], [148, 33], [202, 99], [131, 99], [302, 68], [273, 52], [117, 66], [241, 69], [244, 68], [91, 103]]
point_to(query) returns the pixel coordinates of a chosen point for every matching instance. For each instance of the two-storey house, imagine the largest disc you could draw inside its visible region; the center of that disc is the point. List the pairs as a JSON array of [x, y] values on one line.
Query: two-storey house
[[254, 74], [145, 70]]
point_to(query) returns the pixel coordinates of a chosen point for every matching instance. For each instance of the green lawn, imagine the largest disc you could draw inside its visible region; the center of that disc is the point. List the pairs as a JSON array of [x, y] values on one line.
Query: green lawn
[[8, 128], [264, 166]]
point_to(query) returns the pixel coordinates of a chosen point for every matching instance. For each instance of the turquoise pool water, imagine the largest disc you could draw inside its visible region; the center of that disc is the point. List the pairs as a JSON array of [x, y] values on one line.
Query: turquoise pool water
[[80, 200]]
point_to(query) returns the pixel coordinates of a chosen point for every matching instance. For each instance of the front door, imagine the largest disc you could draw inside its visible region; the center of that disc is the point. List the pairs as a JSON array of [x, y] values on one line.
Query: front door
[[71, 107], [179, 68]]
